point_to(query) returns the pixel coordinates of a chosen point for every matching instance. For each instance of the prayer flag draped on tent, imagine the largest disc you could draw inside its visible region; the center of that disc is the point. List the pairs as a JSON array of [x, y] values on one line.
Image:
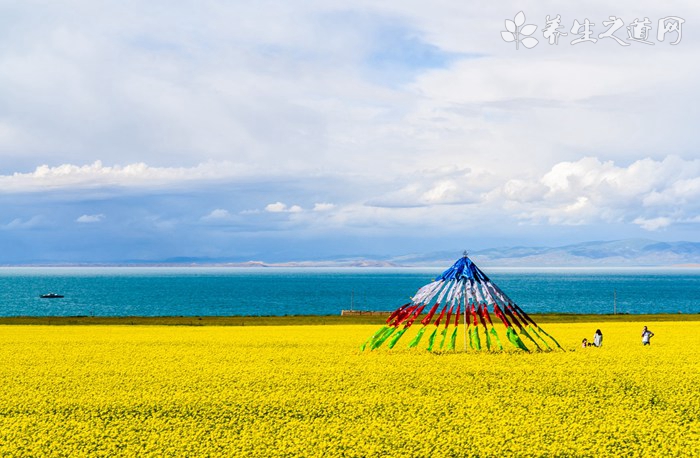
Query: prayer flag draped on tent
[[462, 293]]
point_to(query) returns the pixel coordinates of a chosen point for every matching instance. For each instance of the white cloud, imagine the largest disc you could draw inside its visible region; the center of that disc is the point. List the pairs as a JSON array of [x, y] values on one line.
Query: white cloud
[[97, 175], [442, 186], [267, 90], [19, 223], [279, 207], [649, 193], [323, 207], [646, 193], [293, 101], [519, 190], [218, 214], [90, 218], [653, 224]]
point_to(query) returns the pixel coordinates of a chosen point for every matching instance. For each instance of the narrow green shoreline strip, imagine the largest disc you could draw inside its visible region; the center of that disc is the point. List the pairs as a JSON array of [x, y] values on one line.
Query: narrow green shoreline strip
[[301, 320]]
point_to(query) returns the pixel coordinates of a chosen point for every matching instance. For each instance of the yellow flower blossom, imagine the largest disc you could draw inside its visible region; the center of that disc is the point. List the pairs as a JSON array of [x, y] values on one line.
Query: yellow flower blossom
[[310, 391]]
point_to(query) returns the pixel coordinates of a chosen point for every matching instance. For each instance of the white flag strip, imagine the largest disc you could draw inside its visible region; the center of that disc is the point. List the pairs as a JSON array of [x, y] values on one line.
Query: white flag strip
[[456, 297], [478, 294], [495, 295], [490, 293], [422, 293], [504, 297], [426, 293], [450, 295], [442, 294], [469, 299]]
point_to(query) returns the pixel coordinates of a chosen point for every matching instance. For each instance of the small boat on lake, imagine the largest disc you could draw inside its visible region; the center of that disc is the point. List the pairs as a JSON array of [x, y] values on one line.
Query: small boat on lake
[[51, 296]]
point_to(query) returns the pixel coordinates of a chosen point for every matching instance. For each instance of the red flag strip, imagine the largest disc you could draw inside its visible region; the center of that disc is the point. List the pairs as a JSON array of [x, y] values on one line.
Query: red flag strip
[[481, 316], [449, 315], [499, 313], [516, 313], [430, 314], [418, 311], [457, 314], [485, 315], [401, 317], [510, 314], [442, 313], [396, 312]]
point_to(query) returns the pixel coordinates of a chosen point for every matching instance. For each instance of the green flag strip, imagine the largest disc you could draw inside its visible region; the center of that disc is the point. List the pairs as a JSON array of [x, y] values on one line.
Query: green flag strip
[[553, 339], [374, 337], [474, 337], [532, 330], [525, 333], [431, 340], [397, 337], [417, 338], [488, 338], [378, 343], [495, 335], [453, 339], [444, 336], [515, 340]]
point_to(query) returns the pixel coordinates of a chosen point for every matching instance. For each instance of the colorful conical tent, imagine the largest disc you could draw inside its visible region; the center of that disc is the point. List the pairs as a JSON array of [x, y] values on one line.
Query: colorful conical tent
[[462, 293]]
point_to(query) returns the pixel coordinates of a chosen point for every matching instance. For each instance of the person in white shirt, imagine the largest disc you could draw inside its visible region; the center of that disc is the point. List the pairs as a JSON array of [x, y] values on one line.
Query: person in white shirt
[[597, 338], [646, 336]]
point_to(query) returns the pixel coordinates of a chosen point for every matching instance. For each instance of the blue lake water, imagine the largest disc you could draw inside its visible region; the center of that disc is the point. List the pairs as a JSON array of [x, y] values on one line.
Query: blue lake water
[[151, 291]]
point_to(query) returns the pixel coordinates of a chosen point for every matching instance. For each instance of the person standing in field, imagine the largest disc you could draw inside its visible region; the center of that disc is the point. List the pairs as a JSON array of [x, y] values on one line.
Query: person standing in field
[[598, 338], [646, 336]]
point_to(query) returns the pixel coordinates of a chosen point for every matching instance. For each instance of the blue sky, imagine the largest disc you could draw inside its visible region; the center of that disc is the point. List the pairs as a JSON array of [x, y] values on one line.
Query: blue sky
[[277, 131]]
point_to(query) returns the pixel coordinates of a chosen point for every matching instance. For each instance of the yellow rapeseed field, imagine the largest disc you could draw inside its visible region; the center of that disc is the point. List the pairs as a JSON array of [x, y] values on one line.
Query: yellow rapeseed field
[[310, 391]]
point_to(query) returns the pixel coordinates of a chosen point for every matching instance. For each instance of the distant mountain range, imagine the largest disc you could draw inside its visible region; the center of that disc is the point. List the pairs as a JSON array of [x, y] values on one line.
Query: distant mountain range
[[618, 253]]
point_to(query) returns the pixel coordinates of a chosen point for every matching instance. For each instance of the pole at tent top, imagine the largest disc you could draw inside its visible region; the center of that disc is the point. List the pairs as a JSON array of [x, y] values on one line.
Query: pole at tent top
[[466, 300]]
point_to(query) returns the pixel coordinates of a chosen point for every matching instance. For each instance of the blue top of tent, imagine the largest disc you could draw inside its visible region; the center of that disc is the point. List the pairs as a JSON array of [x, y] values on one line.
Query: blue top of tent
[[462, 270]]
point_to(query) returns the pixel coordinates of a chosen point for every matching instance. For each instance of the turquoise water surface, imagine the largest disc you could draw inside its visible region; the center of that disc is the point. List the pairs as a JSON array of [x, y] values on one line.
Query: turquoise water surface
[[192, 291]]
